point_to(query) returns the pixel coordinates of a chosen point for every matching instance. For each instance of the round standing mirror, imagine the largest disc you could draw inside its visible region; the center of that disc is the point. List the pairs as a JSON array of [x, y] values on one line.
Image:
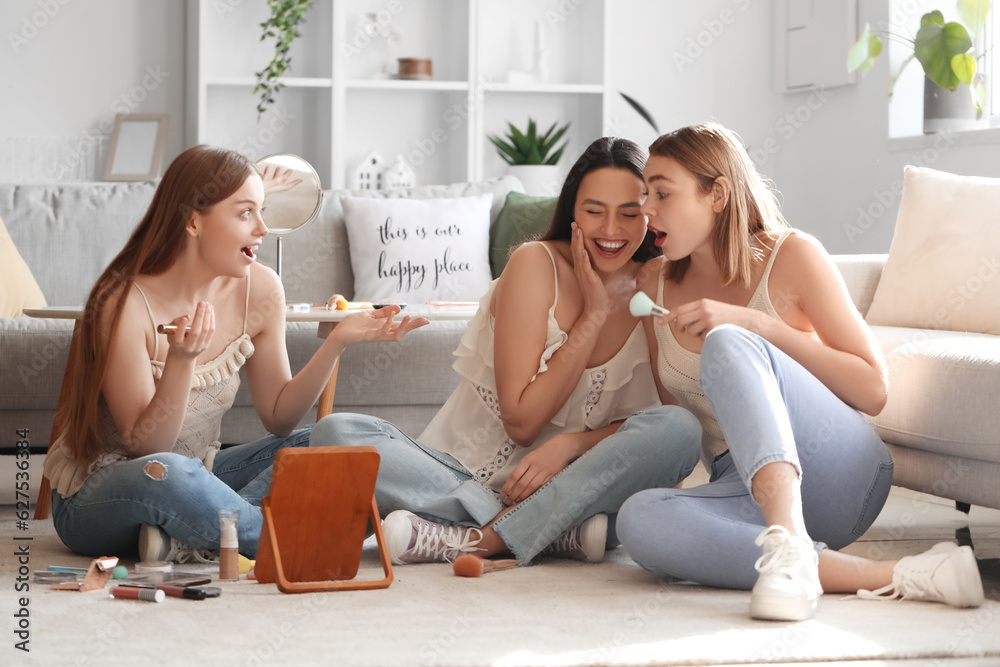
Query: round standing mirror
[[293, 195]]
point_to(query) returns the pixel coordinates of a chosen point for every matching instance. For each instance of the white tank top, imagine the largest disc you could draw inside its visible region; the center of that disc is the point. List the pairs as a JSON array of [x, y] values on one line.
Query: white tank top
[[678, 367]]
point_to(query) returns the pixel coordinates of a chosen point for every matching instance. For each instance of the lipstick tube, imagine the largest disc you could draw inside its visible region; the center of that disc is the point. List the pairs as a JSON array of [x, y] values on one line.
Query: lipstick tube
[[136, 593], [182, 592]]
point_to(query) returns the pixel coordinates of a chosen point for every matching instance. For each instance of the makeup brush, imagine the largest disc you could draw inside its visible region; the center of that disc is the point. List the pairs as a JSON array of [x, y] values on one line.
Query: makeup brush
[[641, 305], [470, 565]]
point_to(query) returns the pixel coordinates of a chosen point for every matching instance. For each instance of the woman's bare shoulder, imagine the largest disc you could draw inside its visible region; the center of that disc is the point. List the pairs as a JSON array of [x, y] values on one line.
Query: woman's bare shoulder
[[646, 279]]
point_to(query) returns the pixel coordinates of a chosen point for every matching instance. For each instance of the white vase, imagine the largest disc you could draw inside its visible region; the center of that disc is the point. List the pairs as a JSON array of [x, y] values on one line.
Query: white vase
[[952, 110], [537, 179]]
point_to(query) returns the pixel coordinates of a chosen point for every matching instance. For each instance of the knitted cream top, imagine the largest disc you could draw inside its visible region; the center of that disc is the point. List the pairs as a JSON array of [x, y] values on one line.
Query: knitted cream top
[[678, 367], [213, 390]]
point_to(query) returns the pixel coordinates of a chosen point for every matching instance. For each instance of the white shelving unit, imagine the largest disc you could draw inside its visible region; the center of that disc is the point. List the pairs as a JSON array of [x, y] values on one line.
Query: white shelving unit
[[334, 108]]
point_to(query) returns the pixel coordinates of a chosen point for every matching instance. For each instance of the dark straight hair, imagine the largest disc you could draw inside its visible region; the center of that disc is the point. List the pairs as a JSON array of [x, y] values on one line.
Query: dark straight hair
[[605, 153]]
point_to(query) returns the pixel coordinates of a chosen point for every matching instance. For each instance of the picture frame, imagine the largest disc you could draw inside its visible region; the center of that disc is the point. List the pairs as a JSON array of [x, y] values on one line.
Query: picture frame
[[135, 152]]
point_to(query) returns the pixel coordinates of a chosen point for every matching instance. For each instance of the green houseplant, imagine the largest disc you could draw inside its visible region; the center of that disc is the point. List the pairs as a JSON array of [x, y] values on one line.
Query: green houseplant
[[946, 50], [283, 25], [532, 157]]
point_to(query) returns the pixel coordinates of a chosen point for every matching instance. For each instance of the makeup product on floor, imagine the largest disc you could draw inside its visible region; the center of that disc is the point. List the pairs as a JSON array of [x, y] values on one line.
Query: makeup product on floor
[[72, 570], [150, 566], [186, 592], [470, 565], [229, 545], [641, 306], [46, 577], [132, 593]]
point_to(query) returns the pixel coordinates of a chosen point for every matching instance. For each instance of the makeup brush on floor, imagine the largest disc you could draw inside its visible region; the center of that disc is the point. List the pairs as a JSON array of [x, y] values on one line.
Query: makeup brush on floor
[[470, 565]]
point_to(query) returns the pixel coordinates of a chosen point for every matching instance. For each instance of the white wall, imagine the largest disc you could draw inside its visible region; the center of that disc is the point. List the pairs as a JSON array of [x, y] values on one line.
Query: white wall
[[68, 66], [827, 151]]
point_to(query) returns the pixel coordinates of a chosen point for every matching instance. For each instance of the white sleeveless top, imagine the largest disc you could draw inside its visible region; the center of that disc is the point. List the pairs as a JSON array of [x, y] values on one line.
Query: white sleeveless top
[[678, 367], [213, 390], [468, 426]]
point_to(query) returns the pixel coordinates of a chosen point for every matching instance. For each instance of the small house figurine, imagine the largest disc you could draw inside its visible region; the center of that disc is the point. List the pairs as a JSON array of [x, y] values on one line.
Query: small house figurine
[[399, 175], [368, 174]]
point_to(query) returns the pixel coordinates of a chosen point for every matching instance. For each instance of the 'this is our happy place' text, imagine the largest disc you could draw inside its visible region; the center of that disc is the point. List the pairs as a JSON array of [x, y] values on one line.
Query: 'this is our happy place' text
[[409, 274]]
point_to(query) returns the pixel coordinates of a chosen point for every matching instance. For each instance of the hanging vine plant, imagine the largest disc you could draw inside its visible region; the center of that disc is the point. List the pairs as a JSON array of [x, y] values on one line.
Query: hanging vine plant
[[282, 24]]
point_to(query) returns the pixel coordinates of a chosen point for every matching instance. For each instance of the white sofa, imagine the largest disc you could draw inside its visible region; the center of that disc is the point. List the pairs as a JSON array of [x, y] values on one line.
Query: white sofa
[[942, 418]]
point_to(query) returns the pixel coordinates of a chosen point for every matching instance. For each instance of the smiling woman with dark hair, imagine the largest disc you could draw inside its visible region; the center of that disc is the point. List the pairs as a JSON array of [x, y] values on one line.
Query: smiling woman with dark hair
[[538, 446]]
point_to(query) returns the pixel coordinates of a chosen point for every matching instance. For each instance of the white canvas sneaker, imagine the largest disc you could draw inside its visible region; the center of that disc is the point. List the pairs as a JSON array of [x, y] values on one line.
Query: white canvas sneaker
[[945, 573], [412, 539], [788, 587], [155, 544], [585, 542]]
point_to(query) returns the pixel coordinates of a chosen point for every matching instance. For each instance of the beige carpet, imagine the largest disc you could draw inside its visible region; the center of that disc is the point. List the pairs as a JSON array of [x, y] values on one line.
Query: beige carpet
[[554, 613]]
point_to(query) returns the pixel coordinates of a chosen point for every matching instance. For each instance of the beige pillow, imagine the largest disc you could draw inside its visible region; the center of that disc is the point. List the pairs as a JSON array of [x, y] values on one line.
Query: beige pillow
[[18, 288], [943, 270]]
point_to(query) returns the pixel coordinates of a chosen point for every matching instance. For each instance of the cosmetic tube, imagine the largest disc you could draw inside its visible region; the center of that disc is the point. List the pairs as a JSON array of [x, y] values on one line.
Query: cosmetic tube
[[136, 593], [229, 545], [182, 592]]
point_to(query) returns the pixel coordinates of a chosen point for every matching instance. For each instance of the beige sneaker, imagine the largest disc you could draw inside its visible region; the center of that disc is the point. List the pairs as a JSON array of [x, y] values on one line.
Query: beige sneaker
[[585, 542], [788, 588], [412, 539], [156, 545], [945, 573]]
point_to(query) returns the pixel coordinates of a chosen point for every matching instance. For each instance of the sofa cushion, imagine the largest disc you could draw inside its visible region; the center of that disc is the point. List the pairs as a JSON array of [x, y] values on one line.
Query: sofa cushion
[[18, 289], [82, 226], [942, 392], [316, 260], [943, 270], [419, 250], [523, 218]]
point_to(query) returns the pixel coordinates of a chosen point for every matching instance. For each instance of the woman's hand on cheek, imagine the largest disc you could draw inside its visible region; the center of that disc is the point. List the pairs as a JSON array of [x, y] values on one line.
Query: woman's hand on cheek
[[595, 294]]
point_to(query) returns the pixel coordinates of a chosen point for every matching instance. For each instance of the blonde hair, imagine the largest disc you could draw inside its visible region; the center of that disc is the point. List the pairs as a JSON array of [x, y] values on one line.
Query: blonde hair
[[197, 179], [709, 151]]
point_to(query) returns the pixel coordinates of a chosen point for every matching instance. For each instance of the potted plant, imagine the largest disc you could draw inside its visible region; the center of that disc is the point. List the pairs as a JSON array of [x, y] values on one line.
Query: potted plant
[[532, 157], [949, 53]]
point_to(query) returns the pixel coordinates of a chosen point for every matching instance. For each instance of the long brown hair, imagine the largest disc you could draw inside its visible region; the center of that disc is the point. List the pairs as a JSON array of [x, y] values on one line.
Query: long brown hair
[[710, 151], [196, 180]]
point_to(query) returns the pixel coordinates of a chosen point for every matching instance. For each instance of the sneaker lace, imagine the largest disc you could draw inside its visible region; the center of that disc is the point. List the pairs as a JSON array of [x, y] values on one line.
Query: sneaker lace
[[182, 553], [920, 588], [568, 542], [436, 541], [780, 555]]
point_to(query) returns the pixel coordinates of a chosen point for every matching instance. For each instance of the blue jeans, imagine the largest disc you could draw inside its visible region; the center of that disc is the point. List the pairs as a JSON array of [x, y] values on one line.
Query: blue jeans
[[658, 446], [105, 515], [770, 409]]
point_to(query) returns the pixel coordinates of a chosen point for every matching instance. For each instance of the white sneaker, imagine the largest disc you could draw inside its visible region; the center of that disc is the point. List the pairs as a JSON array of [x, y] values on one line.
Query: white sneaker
[[411, 539], [155, 544], [788, 588], [945, 573], [585, 542]]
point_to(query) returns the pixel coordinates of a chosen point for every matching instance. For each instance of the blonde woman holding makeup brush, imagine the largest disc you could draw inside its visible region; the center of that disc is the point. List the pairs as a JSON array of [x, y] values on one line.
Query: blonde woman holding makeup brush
[[539, 445], [763, 343], [136, 457]]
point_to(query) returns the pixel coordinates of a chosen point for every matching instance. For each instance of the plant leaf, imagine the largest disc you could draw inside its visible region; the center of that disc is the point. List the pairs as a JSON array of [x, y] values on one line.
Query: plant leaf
[[936, 45], [964, 67], [862, 55], [932, 17], [641, 110], [973, 14]]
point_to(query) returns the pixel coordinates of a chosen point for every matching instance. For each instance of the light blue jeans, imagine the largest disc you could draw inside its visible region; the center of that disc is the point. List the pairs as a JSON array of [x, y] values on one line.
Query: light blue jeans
[[104, 516], [770, 409], [655, 447]]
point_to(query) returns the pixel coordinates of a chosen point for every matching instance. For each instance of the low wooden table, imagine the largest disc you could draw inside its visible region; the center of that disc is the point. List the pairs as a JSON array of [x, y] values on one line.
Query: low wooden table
[[327, 319]]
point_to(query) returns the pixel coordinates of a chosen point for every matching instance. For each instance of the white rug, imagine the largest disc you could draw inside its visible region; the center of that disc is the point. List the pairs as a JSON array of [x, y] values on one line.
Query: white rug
[[554, 613]]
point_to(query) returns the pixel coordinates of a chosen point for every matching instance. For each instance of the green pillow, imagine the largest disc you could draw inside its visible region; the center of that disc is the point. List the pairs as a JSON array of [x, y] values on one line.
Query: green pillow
[[523, 218]]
